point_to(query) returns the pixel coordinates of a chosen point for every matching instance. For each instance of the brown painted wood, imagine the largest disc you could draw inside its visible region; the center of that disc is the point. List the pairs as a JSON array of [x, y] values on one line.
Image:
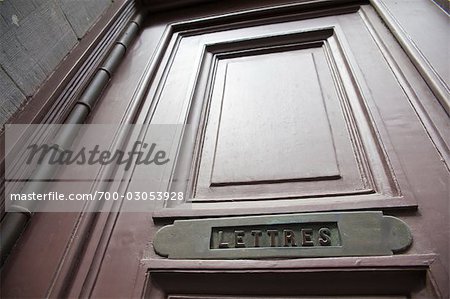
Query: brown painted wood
[[378, 119], [42, 249], [353, 142], [380, 99]]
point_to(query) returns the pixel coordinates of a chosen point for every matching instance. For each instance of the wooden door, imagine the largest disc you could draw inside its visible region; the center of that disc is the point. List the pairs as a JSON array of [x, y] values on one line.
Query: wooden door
[[292, 108]]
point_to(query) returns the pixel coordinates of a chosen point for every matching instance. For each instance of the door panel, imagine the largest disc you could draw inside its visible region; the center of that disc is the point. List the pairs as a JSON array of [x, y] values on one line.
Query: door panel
[[253, 103], [296, 115], [260, 282], [268, 128]]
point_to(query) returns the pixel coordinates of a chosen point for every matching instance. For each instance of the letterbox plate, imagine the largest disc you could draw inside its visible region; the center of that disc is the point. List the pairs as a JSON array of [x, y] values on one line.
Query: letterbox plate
[[284, 236]]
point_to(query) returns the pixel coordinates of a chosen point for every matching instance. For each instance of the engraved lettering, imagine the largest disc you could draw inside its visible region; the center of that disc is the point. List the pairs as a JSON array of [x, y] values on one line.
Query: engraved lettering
[[307, 237], [273, 234], [257, 234], [289, 238], [222, 244], [324, 236], [311, 235], [239, 238]]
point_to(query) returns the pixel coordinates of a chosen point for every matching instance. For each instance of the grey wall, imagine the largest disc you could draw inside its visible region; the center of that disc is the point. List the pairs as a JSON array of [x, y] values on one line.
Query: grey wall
[[35, 35]]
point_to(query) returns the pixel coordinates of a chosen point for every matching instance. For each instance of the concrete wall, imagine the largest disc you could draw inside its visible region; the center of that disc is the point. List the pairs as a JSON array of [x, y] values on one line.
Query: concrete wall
[[35, 35]]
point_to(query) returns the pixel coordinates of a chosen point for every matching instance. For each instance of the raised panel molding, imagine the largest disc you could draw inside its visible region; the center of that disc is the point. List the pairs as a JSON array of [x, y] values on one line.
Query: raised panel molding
[[336, 157], [277, 122]]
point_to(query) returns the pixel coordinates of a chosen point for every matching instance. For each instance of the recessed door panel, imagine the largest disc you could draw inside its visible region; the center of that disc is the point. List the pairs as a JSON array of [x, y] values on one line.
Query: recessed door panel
[[281, 116], [302, 113], [268, 130], [272, 117]]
